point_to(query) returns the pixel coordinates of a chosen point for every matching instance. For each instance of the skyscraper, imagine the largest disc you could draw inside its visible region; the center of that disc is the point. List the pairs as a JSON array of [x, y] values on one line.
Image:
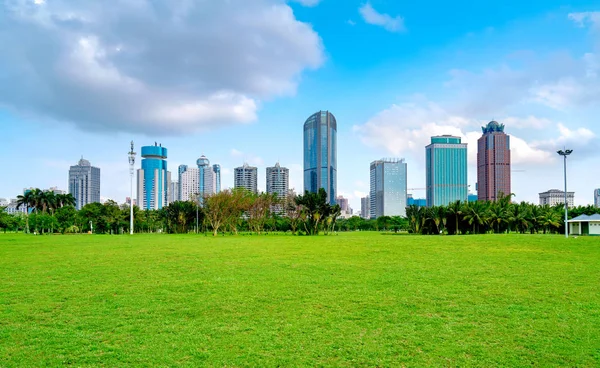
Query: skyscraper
[[180, 170], [278, 180], [246, 177], [446, 171], [174, 192], [343, 203], [153, 178], [493, 162], [388, 188], [84, 183], [217, 176], [207, 181], [365, 205], [597, 198], [554, 197], [190, 184], [320, 154]]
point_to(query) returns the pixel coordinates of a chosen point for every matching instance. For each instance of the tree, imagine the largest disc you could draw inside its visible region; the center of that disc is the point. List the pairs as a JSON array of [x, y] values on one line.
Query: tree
[[315, 209], [293, 211], [26, 200]]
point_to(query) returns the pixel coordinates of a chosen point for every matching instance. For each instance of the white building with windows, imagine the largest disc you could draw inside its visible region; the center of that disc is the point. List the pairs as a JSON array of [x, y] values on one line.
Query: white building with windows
[[555, 196], [190, 184], [246, 177]]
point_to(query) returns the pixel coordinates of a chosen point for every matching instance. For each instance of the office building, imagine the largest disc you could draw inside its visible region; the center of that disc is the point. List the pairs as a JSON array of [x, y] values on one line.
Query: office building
[[217, 177], [84, 183], [278, 180], [388, 187], [207, 179], [180, 170], [446, 171], [418, 202], [554, 197], [153, 178], [597, 198], [343, 203], [365, 206], [320, 154], [190, 184], [174, 191], [493, 163], [246, 177]]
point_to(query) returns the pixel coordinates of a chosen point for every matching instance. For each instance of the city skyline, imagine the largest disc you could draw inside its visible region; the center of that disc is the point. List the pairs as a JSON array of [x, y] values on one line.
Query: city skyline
[[391, 80]]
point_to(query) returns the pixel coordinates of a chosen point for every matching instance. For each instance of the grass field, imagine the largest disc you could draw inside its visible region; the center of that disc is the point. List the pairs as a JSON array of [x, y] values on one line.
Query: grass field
[[359, 299]]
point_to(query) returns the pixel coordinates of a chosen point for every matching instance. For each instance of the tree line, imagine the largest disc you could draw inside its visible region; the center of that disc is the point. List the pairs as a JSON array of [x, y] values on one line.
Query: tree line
[[235, 211]]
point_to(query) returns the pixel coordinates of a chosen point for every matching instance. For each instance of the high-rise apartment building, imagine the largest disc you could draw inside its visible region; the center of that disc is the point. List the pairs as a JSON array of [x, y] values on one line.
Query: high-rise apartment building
[[388, 188], [174, 192], [180, 170], [207, 181], [246, 177], [597, 198], [84, 183], [190, 184], [365, 207], [493, 162], [343, 203], [153, 178], [446, 171], [217, 177], [278, 180], [320, 154], [555, 196]]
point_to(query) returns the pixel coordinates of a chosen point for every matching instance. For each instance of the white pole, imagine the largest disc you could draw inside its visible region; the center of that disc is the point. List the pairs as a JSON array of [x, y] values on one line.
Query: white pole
[[131, 171]]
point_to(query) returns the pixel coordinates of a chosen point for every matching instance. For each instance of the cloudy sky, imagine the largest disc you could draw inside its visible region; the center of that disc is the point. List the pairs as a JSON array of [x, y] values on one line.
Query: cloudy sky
[[236, 79]]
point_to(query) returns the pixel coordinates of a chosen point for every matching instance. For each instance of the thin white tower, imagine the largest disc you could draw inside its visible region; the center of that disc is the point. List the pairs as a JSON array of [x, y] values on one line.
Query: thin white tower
[[131, 170]]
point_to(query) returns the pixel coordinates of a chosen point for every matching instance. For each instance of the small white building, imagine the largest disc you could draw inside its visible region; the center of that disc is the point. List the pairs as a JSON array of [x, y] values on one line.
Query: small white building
[[585, 225]]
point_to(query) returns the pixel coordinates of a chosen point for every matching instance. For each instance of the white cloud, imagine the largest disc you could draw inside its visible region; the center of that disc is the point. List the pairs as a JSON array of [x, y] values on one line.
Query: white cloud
[[151, 66], [372, 16], [581, 18], [247, 158], [529, 122]]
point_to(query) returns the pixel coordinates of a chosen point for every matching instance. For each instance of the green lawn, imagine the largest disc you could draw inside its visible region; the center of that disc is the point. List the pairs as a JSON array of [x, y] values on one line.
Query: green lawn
[[359, 299]]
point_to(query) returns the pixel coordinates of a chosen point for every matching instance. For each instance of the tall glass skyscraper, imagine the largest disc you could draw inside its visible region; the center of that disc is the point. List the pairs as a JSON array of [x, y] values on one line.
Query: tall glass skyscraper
[[180, 170], [84, 183], [320, 154], [217, 176], [446, 167], [493, 162], [153, 178], [205, 181], [388, 188], [597, 198]]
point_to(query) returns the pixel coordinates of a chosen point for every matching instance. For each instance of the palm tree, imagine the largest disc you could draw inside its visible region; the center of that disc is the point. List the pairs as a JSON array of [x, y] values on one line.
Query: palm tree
[[27, 201], [475, 213], [63, 200], [497, 214], [455, 209]]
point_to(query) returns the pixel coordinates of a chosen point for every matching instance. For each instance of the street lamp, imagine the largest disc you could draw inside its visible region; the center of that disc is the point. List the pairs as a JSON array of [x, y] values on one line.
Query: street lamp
[[131, 169], [564, 154], [197, 229]]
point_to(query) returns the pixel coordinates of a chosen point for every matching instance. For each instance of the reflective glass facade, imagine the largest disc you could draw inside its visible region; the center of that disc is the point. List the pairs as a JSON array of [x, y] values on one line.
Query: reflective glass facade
[[153, 174], [320, 154], [446, 167], [388, 188]]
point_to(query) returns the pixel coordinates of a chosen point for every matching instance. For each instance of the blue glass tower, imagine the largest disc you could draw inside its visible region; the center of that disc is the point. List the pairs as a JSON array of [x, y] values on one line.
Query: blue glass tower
[[388, 188], [320, 154], [153, 178], [180, 170], [217, 176], [446, 166]]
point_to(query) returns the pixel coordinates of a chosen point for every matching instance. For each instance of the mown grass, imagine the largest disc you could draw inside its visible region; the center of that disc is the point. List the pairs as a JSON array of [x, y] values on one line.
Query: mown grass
[[357, 299]]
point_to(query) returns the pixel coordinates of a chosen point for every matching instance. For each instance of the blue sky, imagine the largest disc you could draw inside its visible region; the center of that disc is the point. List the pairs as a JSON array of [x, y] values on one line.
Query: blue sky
[[235, 80]]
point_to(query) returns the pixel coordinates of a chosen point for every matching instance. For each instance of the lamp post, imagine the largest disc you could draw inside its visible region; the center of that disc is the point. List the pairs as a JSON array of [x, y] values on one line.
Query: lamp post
[[197, 229], [131, 170], [564, 154]]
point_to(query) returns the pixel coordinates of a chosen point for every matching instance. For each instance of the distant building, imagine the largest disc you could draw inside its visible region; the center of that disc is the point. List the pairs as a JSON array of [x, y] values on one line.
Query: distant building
[[343, 202], [320, 154], [555, 196], [246, 177], [11, 207], [180, 170], [472, 197], [84, 183], [55, 190], [365, 205], [493, 162], [153, 178], [597, 198], [208, 177], [190, 184], [217, 177], [174, 191], [278, 180], [446, 171], [419, 202], [388, 187]]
